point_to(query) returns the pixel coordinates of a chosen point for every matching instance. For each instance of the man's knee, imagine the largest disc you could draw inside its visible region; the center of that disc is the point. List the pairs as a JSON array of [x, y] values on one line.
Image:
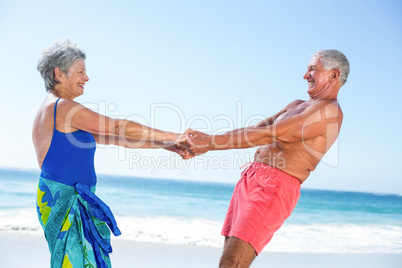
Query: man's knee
[[229, 262], [235, 261], [237, 253]]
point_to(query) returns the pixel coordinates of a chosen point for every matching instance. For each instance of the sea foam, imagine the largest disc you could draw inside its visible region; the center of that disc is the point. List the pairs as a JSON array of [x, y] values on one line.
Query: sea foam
[[311, 238], [296, 238]]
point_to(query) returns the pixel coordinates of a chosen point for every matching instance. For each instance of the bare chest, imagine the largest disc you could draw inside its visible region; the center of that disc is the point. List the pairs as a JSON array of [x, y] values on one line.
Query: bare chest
[[297, 109]]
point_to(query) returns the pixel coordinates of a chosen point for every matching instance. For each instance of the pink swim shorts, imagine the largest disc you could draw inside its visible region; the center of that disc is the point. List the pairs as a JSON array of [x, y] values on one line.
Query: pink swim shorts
[[262, 200]]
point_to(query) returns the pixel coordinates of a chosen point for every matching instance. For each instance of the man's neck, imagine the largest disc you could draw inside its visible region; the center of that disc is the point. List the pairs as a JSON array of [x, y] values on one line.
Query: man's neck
[[329, 94]]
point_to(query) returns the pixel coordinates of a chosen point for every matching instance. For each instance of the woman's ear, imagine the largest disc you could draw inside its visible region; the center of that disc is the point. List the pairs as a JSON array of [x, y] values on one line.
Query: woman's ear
[[58, 74]]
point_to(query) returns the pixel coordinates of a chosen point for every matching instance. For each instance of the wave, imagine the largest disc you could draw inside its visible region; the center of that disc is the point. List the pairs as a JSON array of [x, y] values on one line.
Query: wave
[[19, 221], [292, 238], [295, 238]]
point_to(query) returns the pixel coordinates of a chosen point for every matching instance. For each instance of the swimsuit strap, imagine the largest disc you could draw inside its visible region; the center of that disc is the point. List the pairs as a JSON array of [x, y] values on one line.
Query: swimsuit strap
[[54, 116]]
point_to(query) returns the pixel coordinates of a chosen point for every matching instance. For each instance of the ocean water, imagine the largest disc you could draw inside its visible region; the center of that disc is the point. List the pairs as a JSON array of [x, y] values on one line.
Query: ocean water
[[184, 212]]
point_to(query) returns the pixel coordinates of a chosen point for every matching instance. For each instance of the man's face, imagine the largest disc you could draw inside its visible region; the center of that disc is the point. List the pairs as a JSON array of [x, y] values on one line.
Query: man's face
[[317, 78]]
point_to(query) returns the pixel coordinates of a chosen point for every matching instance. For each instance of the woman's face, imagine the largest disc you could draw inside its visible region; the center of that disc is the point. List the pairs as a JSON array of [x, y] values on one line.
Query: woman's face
[[75, 79]]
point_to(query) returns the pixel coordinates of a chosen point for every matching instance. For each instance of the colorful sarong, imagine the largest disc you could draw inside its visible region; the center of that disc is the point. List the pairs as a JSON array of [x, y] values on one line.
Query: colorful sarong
[[74, 222]]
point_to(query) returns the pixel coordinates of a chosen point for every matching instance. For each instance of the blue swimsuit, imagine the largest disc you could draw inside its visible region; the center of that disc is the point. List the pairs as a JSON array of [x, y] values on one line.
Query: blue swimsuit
[[75, 221], [70, 157]]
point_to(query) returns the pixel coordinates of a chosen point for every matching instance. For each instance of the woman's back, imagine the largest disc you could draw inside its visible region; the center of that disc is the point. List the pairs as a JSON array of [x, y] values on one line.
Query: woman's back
[[43, 128], [65, 157]]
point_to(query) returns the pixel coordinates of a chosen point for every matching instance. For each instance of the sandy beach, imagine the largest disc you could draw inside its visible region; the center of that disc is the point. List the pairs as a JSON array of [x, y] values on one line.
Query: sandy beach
[[26, 250]]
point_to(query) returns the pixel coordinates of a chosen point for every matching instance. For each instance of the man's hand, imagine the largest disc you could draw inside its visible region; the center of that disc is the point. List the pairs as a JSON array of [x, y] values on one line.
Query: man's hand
[[189, 144], [196, 142], [179, 149], [179, 146]]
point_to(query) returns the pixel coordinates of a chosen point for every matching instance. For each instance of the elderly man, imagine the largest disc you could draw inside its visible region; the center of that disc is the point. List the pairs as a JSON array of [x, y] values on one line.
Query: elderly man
[[292, 143]]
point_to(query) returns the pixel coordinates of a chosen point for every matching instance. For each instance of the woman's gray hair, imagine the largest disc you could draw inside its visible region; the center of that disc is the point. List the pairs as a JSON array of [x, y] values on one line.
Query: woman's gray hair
[[62, 54], [334, 59]]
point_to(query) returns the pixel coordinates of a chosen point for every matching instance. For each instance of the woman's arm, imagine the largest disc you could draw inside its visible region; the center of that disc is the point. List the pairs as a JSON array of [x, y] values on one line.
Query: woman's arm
[[127, 133], [141, 144]]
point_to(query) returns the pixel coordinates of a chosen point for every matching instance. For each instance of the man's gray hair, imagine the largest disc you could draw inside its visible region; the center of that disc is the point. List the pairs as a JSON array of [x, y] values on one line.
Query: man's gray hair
[[62, 54], [334, 59]]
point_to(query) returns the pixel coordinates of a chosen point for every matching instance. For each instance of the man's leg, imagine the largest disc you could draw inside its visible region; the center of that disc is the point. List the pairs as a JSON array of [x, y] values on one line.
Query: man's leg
[[236, 253]]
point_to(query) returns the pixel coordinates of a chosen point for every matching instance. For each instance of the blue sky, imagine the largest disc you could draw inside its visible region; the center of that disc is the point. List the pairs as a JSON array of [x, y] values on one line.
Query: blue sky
[[212, 66]]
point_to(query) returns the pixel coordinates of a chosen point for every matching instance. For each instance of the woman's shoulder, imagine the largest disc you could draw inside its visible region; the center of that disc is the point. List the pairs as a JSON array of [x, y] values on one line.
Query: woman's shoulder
[[66, 105]]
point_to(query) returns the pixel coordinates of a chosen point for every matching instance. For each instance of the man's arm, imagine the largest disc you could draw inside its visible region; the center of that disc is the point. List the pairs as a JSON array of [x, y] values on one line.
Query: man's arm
[[270, 120], [310, 123]]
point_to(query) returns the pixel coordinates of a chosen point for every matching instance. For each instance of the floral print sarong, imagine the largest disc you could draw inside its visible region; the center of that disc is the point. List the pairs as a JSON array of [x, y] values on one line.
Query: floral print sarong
[[75, 222]]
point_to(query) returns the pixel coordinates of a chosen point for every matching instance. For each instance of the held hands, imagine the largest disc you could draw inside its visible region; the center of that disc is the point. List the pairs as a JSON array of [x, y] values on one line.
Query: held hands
[[190, 144], [196, 143]]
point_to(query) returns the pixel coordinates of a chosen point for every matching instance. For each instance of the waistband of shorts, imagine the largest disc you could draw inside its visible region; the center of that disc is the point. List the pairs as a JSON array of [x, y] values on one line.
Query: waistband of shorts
[[277, 172]]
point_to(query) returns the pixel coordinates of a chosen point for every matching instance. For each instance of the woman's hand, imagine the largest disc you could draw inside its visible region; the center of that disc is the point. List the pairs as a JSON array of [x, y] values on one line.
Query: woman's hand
[[196, 143]]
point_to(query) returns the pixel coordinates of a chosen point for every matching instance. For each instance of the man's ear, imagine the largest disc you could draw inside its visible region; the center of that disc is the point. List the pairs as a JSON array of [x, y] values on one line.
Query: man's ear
[[335, 74], [58, 74]]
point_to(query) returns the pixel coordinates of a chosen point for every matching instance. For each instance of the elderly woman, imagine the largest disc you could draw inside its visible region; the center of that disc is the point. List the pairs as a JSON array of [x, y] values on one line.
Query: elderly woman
[[65, 133]]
